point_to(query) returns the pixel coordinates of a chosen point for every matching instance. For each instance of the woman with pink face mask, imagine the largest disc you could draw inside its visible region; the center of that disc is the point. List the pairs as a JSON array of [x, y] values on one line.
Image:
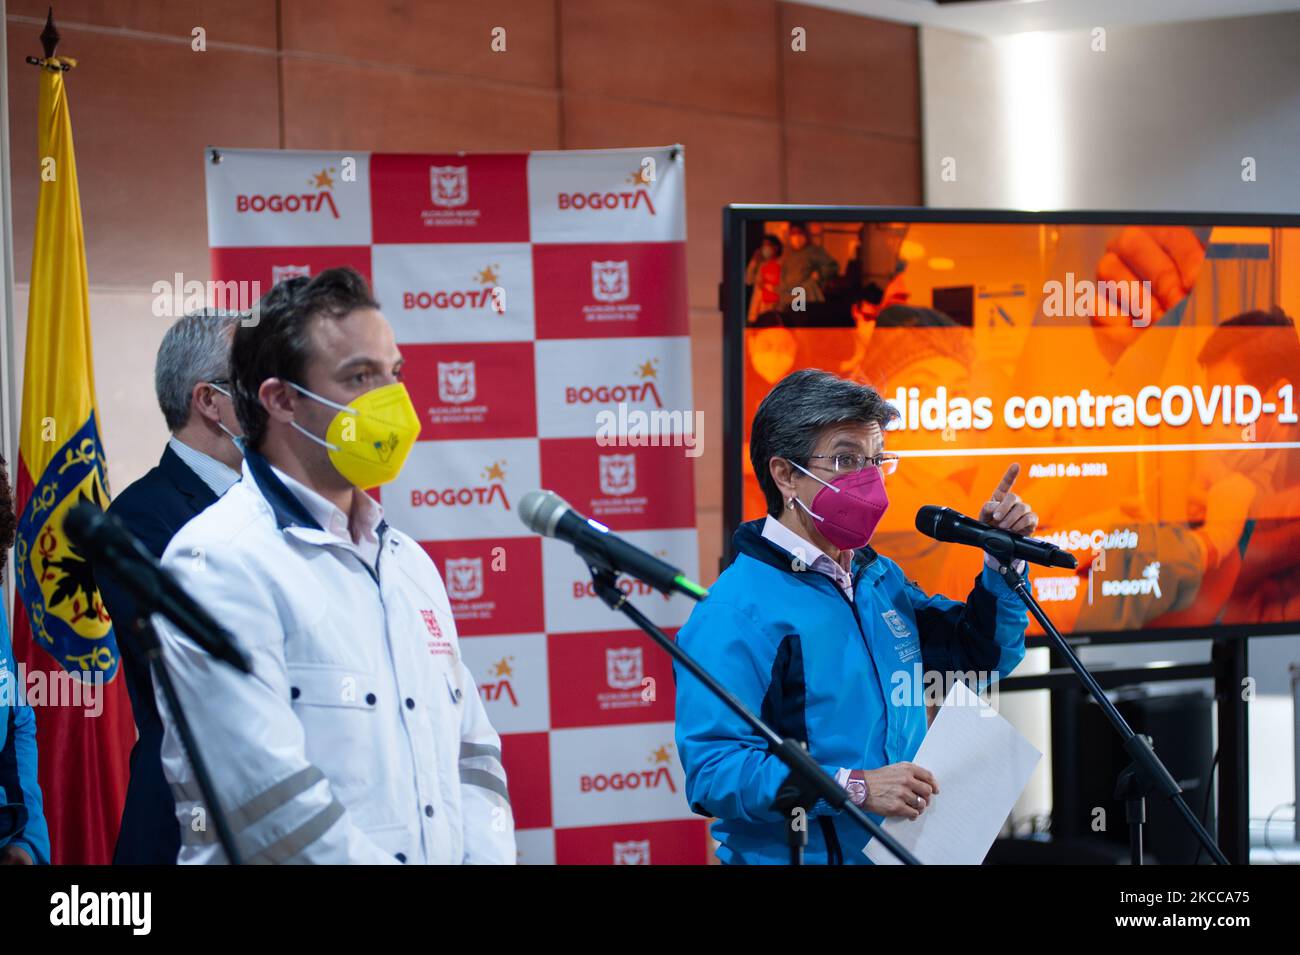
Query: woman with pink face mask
[[825, 638]]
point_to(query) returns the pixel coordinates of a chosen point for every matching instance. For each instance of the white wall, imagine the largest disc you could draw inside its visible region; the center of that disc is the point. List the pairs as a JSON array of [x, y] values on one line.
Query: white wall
[[1160, 120]]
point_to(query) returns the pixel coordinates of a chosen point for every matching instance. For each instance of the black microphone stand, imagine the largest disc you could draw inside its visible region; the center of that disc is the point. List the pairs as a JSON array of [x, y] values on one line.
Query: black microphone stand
[[145, 641], [1146, 774], [790, 751]]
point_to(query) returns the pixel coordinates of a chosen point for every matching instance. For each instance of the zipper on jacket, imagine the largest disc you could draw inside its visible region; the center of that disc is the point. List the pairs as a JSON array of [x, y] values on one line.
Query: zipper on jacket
[[834, 852]]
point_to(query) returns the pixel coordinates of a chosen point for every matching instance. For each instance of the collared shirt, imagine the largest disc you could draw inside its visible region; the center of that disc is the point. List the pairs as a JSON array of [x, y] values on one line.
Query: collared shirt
[[810, 554], [369, 515], [211, 472]]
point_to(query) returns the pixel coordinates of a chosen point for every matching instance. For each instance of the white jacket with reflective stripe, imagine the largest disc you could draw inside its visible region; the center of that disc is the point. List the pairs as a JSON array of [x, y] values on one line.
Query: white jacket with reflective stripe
[[360, 735]]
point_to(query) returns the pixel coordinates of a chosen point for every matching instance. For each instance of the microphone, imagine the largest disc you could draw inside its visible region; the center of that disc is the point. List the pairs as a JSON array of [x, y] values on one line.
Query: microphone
[[945, 524], [548, 514], [106, 539]]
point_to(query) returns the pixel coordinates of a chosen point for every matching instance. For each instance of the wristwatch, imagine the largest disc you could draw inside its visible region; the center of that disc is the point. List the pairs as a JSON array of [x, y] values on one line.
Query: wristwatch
[[857, 787]]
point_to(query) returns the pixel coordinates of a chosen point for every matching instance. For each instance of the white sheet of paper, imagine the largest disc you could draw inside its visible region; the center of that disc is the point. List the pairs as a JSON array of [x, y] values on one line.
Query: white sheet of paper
[[982, 765]]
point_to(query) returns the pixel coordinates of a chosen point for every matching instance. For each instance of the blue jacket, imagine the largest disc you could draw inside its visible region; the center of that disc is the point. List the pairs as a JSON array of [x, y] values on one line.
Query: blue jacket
[[22, 815], [154, 508], [848, 678]]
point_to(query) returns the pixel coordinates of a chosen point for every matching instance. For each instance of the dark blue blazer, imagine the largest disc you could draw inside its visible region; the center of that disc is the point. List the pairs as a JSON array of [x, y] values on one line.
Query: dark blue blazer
[[154, 508]]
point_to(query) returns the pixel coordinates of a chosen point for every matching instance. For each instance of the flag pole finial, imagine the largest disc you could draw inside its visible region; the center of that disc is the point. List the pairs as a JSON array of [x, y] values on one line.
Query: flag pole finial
[[50, 35], [50, 38]]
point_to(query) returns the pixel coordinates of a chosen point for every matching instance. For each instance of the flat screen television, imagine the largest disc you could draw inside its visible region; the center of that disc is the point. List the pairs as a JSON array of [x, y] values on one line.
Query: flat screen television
[[1140, 368]]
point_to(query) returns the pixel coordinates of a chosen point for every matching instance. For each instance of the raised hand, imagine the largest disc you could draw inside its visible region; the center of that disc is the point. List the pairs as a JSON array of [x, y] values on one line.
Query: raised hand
[[1006, 510]]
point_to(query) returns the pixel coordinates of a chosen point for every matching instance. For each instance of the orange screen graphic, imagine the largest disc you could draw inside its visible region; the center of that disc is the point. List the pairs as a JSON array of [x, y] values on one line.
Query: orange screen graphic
[[1141, 376]]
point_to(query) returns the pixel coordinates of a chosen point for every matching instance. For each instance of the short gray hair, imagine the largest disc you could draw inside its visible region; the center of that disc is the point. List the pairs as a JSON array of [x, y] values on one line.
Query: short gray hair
[[196, 348], [793, 414]]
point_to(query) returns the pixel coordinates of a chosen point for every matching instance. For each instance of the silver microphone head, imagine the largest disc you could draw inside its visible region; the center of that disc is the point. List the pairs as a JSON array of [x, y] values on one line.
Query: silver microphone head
[[541, 511]]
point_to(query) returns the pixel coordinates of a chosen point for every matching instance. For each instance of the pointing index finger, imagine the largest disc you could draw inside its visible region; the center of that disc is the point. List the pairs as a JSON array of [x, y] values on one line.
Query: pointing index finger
[[1008, 479]]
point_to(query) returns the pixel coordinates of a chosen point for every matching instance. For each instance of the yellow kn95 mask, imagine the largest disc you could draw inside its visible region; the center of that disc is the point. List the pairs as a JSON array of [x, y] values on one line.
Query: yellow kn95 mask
[[369, 439]]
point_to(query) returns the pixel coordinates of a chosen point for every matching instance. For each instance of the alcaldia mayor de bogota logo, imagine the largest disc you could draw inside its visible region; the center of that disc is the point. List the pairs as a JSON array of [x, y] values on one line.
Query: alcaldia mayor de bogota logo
[[632, 852], [456, 382], [464, 578], [617, 474], [609, 280], [449, 193], [618, 487], [458, 395], [467, 589], [611, 292], [629, 687], [449, 186]]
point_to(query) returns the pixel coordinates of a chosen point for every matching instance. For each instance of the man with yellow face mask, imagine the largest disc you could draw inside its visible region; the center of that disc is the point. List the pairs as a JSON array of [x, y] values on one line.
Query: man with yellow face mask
[[360, 735]]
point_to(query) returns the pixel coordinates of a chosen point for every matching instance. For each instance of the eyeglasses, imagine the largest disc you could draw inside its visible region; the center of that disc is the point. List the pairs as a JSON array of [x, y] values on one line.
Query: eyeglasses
[[847, 463]]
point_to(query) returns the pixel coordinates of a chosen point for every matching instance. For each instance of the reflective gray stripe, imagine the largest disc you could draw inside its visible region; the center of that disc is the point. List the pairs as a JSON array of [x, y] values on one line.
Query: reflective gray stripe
[[488, 764], [479, 777], [250, 812], [468, 750], [275, 797], [295, 842]]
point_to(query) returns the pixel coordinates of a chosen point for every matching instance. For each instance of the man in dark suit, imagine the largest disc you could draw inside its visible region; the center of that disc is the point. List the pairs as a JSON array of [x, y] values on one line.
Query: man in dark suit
[[201, 461]]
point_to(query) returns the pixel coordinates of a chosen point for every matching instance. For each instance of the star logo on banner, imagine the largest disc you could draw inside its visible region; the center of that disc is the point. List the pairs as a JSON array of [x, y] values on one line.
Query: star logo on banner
[[661, 755], [502, 668], [489, 276], [322, 180], [494, 472], [647, 369]]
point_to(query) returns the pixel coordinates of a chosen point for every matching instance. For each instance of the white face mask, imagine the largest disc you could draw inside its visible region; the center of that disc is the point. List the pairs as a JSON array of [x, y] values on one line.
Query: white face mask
[[235, 439]]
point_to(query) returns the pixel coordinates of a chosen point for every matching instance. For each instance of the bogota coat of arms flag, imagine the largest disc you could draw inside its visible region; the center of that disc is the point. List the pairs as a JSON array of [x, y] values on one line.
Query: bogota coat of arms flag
[[63, 637]]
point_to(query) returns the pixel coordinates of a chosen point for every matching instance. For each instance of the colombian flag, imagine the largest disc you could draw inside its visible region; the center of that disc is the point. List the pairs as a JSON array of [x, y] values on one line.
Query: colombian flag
[[61, 630]]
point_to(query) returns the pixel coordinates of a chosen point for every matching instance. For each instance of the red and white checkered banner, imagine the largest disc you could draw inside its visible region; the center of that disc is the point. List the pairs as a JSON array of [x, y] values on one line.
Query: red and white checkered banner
[[536, 298]]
